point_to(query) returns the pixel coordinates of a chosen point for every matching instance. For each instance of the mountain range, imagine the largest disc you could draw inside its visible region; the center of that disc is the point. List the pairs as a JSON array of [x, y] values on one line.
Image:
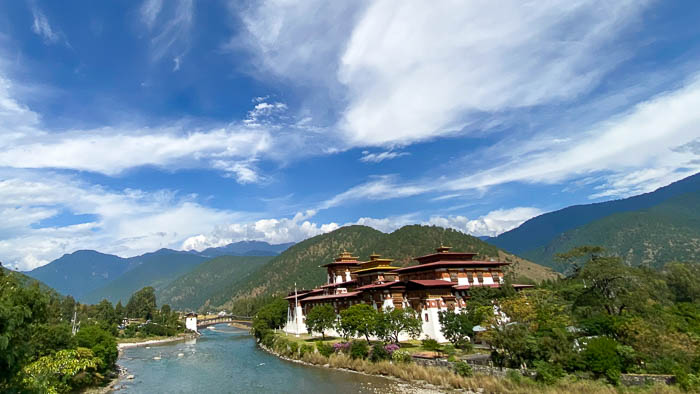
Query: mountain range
[[91, 276], [650, 229]]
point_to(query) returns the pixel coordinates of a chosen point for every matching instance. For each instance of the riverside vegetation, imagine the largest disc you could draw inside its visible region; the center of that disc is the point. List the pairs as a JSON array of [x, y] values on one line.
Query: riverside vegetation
[[578, 333], [40, 354]]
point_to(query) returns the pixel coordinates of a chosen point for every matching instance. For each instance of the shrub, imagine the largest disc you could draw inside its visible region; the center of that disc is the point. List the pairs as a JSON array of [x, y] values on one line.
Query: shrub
[[359, 349], [602, 359], [391, 348], [463, 369], [325, 349], [379, 353], [293, 348], [401, 356], [341, 347], [431, 345], [548, 373], [102, 344], [305, 349]]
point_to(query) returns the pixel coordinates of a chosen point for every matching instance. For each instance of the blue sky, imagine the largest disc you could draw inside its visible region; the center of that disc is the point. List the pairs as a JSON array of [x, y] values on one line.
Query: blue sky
[[130, 126]]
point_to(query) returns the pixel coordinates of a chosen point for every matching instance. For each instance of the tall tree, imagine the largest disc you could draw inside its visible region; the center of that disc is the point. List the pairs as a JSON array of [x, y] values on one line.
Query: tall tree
[[142, 304], [392, 323], [320, 319], [359, 319]]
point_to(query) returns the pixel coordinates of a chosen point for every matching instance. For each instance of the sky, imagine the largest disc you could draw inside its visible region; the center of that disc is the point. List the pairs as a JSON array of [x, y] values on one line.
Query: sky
[[130, 126]]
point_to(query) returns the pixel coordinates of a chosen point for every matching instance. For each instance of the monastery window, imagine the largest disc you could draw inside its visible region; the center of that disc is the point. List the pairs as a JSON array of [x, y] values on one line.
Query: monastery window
[[426, 317]]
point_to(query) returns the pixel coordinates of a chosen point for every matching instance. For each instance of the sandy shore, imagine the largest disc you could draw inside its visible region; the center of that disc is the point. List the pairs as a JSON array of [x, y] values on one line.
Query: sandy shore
[[154, 341]]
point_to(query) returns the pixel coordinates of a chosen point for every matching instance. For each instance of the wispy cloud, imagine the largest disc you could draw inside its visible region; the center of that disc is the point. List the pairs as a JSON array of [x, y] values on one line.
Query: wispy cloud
[[378, 157], [42, 28], [149, 11], [169, 25]]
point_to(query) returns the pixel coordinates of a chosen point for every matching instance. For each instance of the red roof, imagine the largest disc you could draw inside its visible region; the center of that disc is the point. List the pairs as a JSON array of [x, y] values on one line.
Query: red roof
[[303, 295], [466, 287], [429, 258], [333, 296], [443, 263], [432, 283], [354, 262], [337, 284], [381, 285]]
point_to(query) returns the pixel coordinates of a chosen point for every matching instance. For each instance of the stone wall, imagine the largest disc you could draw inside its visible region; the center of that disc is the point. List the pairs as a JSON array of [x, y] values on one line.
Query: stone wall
[[632, 379]]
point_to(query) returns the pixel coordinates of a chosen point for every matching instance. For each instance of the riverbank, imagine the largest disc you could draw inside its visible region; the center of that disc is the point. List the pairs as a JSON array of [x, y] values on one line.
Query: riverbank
[[445, 378], [136, 342]]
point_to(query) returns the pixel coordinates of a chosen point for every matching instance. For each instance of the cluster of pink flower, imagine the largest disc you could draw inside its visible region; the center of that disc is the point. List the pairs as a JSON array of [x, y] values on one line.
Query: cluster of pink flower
[[341, 347], [391, 348]]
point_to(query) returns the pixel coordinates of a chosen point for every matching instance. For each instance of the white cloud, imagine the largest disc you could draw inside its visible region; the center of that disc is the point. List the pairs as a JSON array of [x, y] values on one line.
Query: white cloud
[[300, 227], [149, 11], [413, 70], [42, 28], [127, 222], [378, 157], [271, 230], [172, 32], [491, 224]]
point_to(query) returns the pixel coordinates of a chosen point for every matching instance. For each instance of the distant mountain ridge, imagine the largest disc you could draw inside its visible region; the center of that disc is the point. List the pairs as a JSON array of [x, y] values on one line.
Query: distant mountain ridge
[[540, 230], [650, 237], [83, 273]]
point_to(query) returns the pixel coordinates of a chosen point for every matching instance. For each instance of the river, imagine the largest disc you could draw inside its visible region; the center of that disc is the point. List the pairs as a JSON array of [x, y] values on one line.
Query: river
[[227, 360]]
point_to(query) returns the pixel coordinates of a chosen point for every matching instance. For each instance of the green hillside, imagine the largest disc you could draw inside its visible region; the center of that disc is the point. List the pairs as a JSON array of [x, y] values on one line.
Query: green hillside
[[650, 237], [301, 262], [539, 231], [156, 269], [212, 282]]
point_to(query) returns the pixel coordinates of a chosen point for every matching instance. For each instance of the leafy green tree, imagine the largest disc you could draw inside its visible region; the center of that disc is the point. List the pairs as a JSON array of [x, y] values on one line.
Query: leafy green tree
[[682, 280], [573, 260], [601, 357], [359, 319], [22, 310], [390, 324], [458, 328], [271, 316], [60, 372], [120, 311], [101, 342], [142, 304], [321, 318], [104, 312], [50, 338]]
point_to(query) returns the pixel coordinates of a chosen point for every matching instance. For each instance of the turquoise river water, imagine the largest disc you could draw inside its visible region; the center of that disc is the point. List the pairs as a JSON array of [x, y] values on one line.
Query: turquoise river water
[[227, 360]]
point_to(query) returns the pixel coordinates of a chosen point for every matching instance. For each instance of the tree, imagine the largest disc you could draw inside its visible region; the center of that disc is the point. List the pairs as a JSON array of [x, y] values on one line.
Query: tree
[[22, 310], [271, 316], [60, 373], [390, 324], [101, 342], [120, 311], [142, 304], [458, 328], [573, 260], [105, 313], [359, 319], [320, 319]]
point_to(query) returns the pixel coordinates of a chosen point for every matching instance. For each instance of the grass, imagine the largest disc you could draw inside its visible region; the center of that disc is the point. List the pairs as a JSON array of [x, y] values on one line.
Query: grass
[[445, 378]]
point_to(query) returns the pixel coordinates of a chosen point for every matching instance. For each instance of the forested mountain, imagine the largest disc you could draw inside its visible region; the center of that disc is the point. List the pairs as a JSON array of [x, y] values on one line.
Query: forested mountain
[[300, 263], [245, 248], [212, 282], [82, 272], [541, 230], [88, 275], [155, 269], [650, 237]]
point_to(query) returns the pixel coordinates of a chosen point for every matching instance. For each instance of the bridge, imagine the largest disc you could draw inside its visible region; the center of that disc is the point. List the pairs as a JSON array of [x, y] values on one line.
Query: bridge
[[192, 321]]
